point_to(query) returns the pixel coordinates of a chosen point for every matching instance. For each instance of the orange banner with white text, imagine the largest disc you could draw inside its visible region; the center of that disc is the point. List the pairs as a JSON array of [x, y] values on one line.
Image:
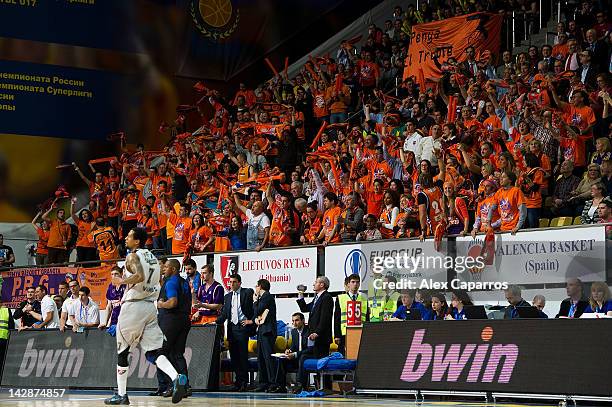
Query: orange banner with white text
[[449, 38]]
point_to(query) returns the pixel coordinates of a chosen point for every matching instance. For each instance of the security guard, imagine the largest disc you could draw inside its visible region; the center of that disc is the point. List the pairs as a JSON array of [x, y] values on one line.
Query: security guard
[[383, 303], [6, 323], [174, 308], [351, 283]]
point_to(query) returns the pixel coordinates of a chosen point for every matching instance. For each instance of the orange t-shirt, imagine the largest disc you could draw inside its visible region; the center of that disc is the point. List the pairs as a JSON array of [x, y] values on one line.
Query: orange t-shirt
[[379, 170], [182, 231], [199, 237], [319, 107], [385, 218], [508, 202], [282, 221], [129, 208], [435, 210], [113, 203], [59, 234], [84, 231], [560, 51], [375, 202], [104, 239], [492, 123], [329, 223], [43, 237], [534, 199], [155, 179], [484, 207], [149, 225], [581, 117]]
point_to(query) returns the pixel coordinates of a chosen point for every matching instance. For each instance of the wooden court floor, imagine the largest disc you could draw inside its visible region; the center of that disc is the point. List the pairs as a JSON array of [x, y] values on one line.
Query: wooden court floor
[[95, 399]]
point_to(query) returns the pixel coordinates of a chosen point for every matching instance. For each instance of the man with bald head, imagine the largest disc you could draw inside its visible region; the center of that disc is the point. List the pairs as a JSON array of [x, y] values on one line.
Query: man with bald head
[[258, 224], [574, 305], [173, 316]]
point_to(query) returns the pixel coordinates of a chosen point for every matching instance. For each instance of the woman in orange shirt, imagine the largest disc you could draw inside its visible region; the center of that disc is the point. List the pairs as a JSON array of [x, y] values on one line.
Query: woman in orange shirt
[[43, 236], [201, 237], [456, 211], [531, 183], [147, 222], [388, 216], [86, 251]]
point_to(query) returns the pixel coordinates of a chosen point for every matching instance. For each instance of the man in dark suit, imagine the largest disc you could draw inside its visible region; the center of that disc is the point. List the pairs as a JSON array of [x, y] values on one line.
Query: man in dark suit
[[587, 71], [299, 343], [319, 326], [515, 299], [265, 318], [574, 305], [238, 311], [469, 67]]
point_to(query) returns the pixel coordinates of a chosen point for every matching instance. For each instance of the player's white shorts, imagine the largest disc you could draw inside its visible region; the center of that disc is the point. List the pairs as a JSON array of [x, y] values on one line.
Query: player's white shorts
[[137, 323]]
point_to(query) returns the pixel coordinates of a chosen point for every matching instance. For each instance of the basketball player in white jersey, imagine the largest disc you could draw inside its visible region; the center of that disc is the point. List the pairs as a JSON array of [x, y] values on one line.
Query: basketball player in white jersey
[[137, 321]]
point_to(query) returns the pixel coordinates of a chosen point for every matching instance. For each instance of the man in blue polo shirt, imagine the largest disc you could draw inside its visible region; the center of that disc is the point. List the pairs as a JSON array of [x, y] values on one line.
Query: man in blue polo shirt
[[408, 303], [174, 307]]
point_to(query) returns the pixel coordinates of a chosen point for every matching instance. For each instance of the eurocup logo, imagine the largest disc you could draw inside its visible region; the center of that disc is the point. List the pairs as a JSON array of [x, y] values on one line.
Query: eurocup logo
[[356, 262]]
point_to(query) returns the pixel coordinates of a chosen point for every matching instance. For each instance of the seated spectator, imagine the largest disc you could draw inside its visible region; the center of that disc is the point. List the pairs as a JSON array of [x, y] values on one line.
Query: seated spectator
[[7, 257], [590, 213], [606, 175], [47, 319], [459, 299], [599, 301], [439, 308], [605, 215], [583, 190], [539, 301], [565, 184], [371, 231], [85, 313], [27, 308], [408, 303], [352, 218], [575, 305], [514, 298], [603, 151], [299, 343]]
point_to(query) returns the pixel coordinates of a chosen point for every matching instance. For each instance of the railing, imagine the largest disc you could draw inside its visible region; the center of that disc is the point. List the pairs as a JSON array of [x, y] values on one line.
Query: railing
[[520, 25]]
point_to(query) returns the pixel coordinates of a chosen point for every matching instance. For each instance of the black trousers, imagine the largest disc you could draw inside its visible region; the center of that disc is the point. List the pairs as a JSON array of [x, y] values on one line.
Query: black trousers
[[239, 352], [282, 366], [266, 374], [175, 328], [319, 350], [342, 345], [57, 256], [86, 254]]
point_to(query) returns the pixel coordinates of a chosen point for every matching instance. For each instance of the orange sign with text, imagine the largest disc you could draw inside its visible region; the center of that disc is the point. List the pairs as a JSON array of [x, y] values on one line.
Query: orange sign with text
[[449, 38]]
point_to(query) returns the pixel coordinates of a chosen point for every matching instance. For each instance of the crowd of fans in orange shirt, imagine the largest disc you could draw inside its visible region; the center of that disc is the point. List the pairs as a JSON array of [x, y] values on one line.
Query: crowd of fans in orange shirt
[[347, 150]]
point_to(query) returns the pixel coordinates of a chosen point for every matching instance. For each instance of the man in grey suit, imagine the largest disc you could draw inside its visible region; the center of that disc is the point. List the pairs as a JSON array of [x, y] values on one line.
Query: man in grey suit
[[264, 309]]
